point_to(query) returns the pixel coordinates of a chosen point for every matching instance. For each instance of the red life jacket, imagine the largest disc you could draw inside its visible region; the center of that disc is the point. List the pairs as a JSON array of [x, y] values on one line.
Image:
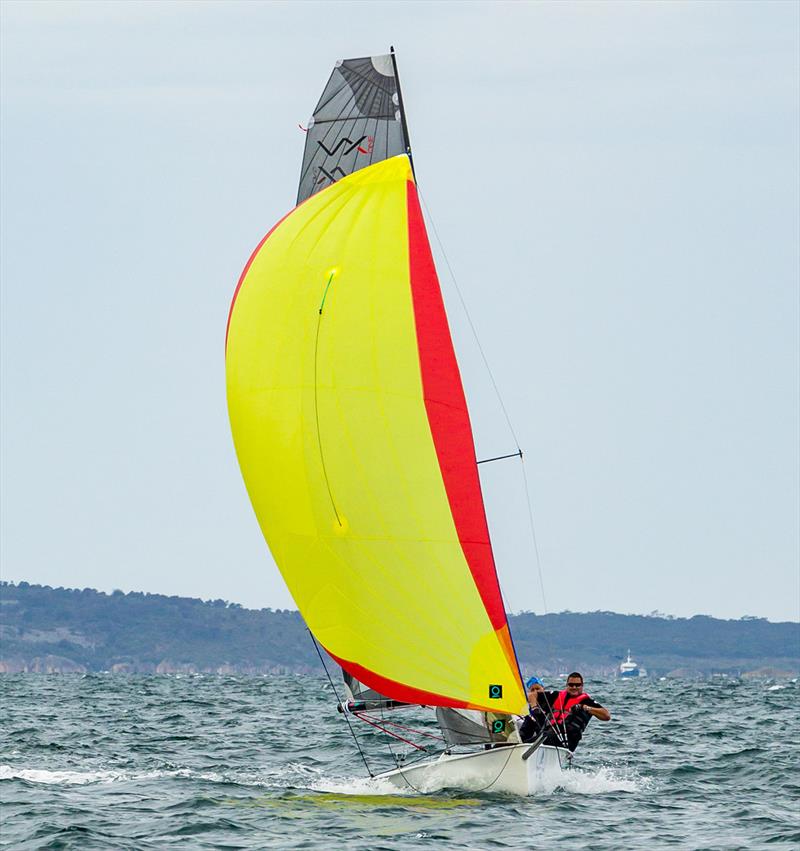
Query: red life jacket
[[563, 704]]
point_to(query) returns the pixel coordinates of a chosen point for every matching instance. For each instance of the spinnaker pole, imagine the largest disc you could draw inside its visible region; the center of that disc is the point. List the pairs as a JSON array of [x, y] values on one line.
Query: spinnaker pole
[[402, 113]]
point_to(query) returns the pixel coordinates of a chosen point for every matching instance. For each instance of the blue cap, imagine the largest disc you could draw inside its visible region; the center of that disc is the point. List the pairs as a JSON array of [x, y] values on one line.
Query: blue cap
[[533, 681]]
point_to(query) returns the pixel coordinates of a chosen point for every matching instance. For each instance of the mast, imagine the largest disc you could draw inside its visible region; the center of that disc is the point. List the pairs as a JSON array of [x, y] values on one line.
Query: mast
[[402, 113]]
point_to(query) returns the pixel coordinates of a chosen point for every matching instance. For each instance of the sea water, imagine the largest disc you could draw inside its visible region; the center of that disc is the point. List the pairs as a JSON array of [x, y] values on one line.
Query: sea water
[[196, 761]]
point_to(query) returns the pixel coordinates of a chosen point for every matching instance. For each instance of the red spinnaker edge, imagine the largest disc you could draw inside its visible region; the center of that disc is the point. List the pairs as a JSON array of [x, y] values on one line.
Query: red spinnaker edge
[[249, 264], [446, 407], [395, 690]]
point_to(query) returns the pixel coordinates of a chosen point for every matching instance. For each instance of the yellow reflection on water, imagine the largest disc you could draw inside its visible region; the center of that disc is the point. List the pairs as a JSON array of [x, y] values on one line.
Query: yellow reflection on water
[[330, 800]]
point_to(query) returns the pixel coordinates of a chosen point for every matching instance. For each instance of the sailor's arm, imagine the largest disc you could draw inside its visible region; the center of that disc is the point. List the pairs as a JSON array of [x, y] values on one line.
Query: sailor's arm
[[533, 695], [599, 712]]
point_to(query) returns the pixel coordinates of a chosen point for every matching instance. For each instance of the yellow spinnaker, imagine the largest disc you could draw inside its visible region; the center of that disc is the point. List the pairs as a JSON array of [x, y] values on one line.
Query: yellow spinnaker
[[353, 438]]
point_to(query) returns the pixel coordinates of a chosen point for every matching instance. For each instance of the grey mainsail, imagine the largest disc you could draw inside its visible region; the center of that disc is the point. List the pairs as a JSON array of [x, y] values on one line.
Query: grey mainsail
[[358, 121]]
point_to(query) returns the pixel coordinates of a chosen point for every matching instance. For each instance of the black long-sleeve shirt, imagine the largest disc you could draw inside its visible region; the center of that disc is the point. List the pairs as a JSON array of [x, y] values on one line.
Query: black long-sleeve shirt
[[540, 717]]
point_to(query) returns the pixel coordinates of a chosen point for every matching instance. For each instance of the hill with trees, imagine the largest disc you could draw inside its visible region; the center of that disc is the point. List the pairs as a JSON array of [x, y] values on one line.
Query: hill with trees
[[44, 629]]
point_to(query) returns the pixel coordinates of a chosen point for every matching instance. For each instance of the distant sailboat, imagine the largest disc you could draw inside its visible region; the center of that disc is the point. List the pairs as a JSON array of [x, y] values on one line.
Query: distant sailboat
[[353, 436]]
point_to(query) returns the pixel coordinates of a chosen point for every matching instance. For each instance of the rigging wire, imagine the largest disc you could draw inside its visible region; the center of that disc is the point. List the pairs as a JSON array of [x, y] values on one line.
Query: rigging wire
[[469, 318], [365, 717], [336, 694], [398, 764], [373, 723], [533, 531], [497, 393]]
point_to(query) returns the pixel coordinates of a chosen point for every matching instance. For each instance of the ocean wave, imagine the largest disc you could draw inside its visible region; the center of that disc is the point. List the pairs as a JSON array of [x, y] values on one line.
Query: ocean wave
[[75, 777], [259, 761], [60, 777]]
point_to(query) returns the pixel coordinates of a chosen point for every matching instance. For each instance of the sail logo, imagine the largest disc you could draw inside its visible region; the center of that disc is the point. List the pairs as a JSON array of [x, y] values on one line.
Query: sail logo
[[351, 145], [495, 692], [331, 175]]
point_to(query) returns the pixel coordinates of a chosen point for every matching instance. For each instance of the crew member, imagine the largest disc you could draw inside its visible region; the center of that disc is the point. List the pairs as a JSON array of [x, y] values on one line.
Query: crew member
[[562, 715]]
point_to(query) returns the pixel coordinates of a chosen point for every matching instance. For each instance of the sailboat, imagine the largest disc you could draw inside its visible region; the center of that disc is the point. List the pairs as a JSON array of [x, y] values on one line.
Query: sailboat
[[353, 436]]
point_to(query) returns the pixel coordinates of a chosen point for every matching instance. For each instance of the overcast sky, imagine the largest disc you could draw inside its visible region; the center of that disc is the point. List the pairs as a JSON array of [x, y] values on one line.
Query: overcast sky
[[615, 186]]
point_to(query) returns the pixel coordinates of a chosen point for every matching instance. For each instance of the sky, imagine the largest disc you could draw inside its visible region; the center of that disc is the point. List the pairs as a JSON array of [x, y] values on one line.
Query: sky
[[615, 187]]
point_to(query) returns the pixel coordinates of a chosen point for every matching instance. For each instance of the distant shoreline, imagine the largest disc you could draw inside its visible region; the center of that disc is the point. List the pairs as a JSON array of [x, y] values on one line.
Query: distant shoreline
[[58, 630]]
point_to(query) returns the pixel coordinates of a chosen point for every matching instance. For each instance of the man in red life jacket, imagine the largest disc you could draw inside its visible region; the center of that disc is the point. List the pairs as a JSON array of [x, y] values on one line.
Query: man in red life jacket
[[563, 715]]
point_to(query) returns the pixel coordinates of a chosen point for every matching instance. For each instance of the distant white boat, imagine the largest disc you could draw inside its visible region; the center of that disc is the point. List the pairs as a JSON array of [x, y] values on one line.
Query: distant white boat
[[629, 668]]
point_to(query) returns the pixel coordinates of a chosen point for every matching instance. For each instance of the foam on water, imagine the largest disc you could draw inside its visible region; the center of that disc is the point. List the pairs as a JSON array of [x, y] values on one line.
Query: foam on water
[[60, 778], [603, 780], [81, 778], [356, 786]]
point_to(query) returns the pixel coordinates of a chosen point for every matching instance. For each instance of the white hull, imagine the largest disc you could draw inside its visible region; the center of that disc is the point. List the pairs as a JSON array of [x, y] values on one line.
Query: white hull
[[497, 770]]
